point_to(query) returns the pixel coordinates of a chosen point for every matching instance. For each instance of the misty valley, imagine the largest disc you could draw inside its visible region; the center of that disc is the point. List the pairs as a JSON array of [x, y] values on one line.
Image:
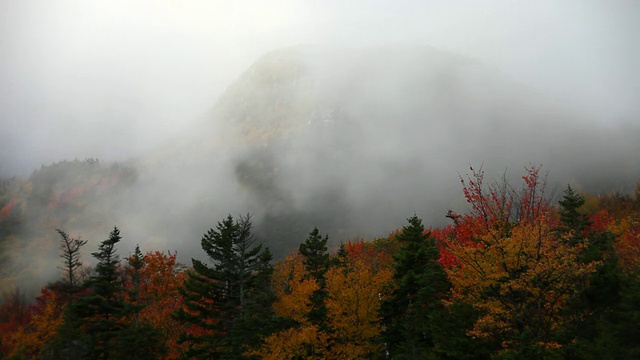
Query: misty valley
[[396, 202]]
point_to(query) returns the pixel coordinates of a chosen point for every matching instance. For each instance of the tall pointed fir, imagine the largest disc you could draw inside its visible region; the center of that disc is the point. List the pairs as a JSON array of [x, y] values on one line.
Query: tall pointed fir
[[226, 303], [594, 310], [410, 313], [316, 262], [101, 310]]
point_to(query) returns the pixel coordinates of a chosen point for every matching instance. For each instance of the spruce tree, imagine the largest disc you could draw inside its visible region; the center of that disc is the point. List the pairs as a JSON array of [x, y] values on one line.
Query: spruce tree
[[317, 263], [593, 308], [226, 298], [101, 310], [571, 218], [411, 313]]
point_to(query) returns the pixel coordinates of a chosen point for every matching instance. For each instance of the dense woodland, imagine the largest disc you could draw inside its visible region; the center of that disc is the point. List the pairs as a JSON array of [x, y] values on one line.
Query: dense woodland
[[516, 276]]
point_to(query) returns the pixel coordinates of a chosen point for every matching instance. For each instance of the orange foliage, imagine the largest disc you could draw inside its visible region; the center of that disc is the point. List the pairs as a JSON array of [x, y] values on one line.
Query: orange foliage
[[293, 343], [7, 208], [626, 227], [293, 289], [160, 277], [27, 339]]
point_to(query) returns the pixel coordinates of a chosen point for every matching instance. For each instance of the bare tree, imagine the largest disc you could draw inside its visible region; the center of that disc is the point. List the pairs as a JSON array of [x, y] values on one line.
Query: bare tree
[[72, 267]]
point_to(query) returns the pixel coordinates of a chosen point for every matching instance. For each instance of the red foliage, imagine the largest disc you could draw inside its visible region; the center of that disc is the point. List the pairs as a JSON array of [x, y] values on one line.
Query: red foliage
[[494, 207], [443, 238], [4, 212], [600, 221], [14, 316]]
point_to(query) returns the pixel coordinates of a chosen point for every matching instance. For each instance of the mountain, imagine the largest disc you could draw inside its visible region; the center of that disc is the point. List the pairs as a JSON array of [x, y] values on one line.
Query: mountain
[[355, 140], [352, 141]]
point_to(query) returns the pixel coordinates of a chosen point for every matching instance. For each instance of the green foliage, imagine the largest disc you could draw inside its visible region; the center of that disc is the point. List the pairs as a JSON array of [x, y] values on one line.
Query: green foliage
[[594, 309], [103, 307], [224, 300], [570, 217], [316, 262], [421, 284], [100, 322]]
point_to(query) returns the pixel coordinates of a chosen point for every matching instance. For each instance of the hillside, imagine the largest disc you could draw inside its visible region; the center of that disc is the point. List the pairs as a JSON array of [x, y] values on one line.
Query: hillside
[[348, 137], [352, 141]]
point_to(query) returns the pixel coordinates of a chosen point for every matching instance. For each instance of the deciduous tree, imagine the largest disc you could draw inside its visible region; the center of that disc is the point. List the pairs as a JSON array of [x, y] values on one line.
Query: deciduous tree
[[355, 290], [513, 268]]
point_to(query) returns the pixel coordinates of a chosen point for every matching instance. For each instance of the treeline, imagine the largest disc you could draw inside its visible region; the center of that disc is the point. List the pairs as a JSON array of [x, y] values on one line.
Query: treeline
[[78, 195], [514, 277]]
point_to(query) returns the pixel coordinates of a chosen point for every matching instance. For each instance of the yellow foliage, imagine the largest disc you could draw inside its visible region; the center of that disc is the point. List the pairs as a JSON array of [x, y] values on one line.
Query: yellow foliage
[[29, 342], [355, 292], [301, 342], [293, 289], [519, 281]]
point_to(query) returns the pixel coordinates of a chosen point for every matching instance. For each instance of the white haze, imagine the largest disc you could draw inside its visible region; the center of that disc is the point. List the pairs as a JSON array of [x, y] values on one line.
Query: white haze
[[113, 79], [550, 82]]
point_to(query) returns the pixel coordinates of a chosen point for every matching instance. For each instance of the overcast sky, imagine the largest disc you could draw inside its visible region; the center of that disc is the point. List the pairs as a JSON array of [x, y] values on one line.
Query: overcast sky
[[111, 79]]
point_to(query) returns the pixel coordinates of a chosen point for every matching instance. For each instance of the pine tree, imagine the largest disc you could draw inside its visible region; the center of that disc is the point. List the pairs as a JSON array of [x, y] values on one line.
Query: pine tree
[[571, 218], [411, 312], [317, 262], [101, 310], [222, 300], [593, 308]]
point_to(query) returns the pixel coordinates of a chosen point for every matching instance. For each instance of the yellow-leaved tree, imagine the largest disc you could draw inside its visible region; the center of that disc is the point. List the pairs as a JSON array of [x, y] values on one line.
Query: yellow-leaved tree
[[293, 288], [513, 267], [355, 291]]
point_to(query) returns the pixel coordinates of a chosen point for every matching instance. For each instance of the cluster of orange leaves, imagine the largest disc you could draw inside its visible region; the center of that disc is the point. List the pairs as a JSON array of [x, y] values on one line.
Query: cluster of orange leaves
[[160, 278]]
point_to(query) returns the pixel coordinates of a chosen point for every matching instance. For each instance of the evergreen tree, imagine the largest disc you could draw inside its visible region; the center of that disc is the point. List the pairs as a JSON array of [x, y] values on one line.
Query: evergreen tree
[[317, 263], [593, 309], [70, 342], [101, 310], [412, 311], [225, 299], [316, 256], [571, 218]]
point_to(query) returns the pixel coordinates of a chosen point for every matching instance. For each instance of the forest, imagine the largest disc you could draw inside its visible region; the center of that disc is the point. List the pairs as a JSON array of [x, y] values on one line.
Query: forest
[[518, 275]]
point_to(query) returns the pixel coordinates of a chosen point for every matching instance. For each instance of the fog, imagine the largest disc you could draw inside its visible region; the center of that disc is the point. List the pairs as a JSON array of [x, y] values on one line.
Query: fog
[[109, 79], [349, 117]]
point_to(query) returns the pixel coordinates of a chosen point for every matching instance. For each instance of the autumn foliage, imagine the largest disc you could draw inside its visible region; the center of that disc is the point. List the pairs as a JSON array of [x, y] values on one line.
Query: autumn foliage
[[159, 280], [356, 289], [516, 276]]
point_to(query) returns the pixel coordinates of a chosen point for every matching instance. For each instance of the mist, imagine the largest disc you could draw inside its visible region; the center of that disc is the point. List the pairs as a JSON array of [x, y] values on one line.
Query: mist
[[348, 117], [112, 79]]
